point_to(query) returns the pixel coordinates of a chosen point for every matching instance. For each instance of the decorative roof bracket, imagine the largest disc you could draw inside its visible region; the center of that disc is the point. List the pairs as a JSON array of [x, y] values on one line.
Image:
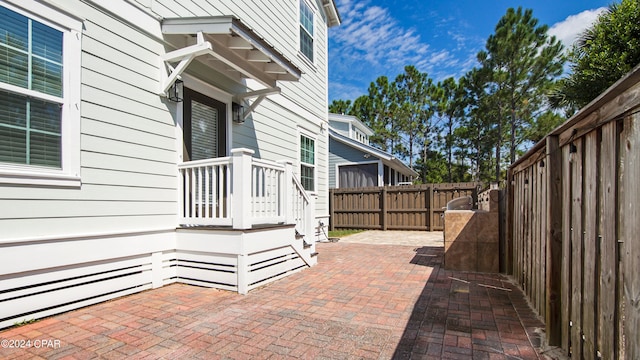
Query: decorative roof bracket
[[259, 94], [186, 55]]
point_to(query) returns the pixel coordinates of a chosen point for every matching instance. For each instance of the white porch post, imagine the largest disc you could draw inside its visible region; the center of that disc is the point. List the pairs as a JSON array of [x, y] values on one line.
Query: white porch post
[[288, 193], [241, 188], [310, 219]]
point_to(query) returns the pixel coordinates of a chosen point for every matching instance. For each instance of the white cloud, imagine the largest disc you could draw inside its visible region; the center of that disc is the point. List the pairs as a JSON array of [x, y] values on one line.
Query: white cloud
[[569, 30], [376, 36], [370, 41]]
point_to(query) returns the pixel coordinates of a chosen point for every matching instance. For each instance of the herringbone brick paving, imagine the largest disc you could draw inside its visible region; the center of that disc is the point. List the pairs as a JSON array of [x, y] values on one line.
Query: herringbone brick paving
[[361, 301]]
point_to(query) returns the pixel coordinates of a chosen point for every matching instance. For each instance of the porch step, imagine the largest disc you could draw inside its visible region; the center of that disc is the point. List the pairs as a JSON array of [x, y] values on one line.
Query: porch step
[[305, 244], [299, 235], [314, 254]]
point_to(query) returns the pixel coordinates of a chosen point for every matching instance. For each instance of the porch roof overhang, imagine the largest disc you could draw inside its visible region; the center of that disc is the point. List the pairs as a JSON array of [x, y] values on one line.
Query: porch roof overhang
[[231, 42], [385, 157]]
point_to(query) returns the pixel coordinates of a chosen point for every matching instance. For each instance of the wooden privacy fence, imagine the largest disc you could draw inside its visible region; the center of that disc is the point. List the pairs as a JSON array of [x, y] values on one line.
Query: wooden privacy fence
[[574, 223], [405, 207]]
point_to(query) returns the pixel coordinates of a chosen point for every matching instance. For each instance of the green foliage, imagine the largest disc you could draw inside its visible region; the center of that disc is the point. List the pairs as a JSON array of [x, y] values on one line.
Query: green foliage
[[604, 53], [376, 111], [521, 61], [24, 322], [340, 106], [449, 105], [413, 111], [343, 233], [543, 125], [432, 168]]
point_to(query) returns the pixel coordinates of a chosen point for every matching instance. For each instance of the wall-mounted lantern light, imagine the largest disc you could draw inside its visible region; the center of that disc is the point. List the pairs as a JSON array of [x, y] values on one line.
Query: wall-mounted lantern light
[[573, 148], [237, 113], [175, 91]]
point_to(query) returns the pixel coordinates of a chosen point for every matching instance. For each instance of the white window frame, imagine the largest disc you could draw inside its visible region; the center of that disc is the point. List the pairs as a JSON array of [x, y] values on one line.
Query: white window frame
[[69, 173], [313, 43], [308, 134]]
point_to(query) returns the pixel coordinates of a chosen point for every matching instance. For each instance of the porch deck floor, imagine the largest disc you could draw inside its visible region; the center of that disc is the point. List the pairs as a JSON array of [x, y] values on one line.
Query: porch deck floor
[[362, 301]]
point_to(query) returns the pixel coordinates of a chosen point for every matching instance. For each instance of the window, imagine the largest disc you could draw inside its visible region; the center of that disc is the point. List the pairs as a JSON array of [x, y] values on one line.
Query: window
[[204, 130], [39, 97], [358, 175], [307, 162], [306, 30]]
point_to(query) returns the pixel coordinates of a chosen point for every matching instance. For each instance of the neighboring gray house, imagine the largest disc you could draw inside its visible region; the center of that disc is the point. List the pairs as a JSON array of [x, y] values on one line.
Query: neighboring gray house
[[355, 163], [148, 142]]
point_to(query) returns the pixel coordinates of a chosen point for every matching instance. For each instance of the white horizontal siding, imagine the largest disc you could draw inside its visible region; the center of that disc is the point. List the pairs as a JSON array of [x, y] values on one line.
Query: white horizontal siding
[[128, 164], [125, 119], [126, 134], [115, 101], [126, 75], [122, 178], [29, 228], [127, 141], [123, 148], [35, 208], [91, 192]]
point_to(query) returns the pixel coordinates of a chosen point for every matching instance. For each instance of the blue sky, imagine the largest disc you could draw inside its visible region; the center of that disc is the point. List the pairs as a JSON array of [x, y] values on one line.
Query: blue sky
[[442, 38]]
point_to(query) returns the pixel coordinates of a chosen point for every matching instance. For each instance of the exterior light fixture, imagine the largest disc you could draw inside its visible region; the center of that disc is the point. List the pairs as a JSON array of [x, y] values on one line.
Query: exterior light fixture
[[237, 113], [175, 91], [573, 148]]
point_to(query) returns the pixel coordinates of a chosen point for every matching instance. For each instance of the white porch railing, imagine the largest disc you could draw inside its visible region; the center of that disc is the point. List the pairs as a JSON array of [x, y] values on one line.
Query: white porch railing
[[241, 191]]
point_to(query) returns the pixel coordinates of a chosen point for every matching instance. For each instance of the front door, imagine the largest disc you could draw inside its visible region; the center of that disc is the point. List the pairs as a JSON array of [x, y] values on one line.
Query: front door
[[204, 127]]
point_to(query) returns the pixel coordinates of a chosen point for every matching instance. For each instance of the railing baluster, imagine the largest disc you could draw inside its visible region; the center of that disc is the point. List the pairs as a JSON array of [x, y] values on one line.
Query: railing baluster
[[192, 195], [227, 179], [207, 189], [199, 192], [214, 191]]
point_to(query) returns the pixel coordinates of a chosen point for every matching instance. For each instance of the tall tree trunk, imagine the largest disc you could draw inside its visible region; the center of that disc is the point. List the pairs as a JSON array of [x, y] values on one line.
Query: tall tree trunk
[[499, 144], [512, 149], [449, 148]]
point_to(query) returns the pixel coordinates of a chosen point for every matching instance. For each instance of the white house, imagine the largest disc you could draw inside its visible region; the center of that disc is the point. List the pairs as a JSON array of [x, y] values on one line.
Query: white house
[[355, 163], [147, 142]]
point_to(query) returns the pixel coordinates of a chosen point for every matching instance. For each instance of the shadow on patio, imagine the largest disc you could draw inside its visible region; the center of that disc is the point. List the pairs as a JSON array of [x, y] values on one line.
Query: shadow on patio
[[467, 315]]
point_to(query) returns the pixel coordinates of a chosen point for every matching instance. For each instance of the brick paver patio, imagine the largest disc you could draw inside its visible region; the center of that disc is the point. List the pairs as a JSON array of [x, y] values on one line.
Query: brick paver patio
[[361, 301]]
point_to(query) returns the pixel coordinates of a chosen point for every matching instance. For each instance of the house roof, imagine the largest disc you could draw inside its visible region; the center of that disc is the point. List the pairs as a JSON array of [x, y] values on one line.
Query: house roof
[[352, 120], [386, 158], [232, 44], [333, 17]]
